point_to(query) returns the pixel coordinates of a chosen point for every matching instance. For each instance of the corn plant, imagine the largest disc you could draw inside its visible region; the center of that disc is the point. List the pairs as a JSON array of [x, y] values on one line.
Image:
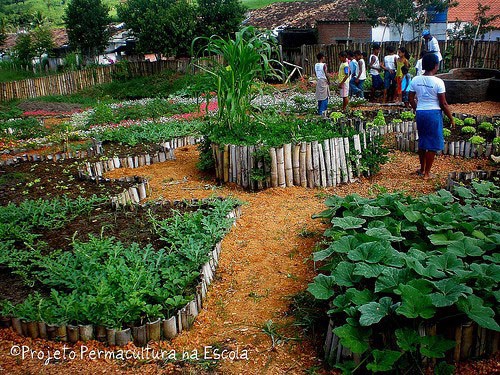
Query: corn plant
[[245, 59]]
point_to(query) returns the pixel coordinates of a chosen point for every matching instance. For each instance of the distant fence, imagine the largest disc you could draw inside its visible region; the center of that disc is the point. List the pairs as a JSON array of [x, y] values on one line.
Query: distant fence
[[486, 54], [72, 82]]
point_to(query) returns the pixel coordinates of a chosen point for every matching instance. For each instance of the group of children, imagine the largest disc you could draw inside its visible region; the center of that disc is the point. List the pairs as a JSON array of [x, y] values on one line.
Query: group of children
[[353, 72]]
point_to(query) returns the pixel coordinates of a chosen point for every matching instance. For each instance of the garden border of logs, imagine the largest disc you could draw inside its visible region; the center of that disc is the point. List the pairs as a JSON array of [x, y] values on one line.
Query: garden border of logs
[[327, 163]]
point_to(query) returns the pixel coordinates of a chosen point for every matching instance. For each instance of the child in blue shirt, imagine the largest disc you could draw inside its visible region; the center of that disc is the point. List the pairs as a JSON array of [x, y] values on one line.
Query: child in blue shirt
[[405, 86]]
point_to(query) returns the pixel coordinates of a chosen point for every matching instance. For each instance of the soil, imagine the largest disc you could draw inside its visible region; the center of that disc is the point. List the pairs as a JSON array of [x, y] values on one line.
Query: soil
[[47, 179], [32, 106]]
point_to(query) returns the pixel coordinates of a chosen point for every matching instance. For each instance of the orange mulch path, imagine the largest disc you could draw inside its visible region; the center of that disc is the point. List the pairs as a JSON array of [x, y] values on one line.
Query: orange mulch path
[[263, 262]]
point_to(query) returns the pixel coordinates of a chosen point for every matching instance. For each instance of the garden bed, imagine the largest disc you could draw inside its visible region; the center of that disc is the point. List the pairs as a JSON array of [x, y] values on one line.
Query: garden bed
[[153, 246]]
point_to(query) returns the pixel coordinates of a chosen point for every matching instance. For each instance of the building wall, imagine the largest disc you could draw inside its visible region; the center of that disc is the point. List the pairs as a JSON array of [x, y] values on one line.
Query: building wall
[[393, 34], [329, 33]]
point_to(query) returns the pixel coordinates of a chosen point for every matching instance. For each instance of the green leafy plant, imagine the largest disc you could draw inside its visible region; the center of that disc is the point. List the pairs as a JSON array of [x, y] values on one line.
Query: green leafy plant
[[458, 122], [336, 116], [379, 119], [486, 126], [468, 130], [469, 121], [496, 141], [395, 263], [446, 132], [245, 59], [477, 140], [407, 116]]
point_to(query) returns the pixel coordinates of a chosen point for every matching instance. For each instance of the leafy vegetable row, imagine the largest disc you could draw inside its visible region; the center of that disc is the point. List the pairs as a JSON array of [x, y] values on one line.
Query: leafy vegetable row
[[395, 264]]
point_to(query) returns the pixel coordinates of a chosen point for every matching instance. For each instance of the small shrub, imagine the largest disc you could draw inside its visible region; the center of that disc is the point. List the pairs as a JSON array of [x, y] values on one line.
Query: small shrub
[[397, 121], [469, 121], [407, 115], [336, 116], [477, 140], [496, 141], [468, 130], [458, 122], [446, 132], [486, 126], [379, 120]]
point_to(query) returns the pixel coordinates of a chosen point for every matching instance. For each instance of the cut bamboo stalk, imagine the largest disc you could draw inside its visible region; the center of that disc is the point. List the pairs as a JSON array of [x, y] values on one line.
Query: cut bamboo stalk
[[333, 158], [309, 166], [281, 166], [153, 330], [244, 166], [238, 165], [33, 330], [451, 148], [274, 167], [170, 328], [86, 332], [322, 167], [111, 336], [251, 166], [296, 164], [226, 163], [328, 162], [343, 163], [303, 165], [467, 340], [214, 154], [233, 163], [347, 159], [287, 153], [42, 330], [123, 337], [315, 161], [357, 147]]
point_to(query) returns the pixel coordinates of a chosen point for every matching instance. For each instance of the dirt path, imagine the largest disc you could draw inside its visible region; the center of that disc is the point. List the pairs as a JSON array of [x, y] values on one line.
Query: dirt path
[[265, 259]]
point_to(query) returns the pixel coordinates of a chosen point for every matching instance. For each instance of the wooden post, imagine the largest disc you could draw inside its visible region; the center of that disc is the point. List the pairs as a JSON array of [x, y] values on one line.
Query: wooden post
[[322, 166], [328, 162], [315, 160], [347, 160], [309, 166], [296, 164], [225, 163], [303, 165], [281, 166], [238, 165], [287, 153], [244, 166], [274, 167]]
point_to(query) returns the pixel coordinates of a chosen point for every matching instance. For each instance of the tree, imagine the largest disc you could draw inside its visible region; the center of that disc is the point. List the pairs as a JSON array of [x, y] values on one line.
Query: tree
[[399, 12], [87, 25], [42, 42], [22, 50], [161, 26], [220, 17]]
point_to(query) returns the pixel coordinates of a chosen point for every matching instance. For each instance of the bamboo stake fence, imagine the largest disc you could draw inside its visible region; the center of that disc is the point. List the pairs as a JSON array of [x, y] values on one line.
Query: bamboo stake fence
[[141, 335], [74, 81], [486, 54]]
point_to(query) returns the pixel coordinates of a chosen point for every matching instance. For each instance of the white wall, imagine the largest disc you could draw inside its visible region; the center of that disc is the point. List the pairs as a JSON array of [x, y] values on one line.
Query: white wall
[[392, 34]]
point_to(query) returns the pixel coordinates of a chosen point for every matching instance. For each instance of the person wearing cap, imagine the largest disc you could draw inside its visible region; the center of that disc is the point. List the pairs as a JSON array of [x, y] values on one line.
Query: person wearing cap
[[427, 98], [431, 44]]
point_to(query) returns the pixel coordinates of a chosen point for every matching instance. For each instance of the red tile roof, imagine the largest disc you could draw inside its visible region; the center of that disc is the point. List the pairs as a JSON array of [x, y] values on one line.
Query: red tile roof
[[466, 11], [302, 13], [59, 36]]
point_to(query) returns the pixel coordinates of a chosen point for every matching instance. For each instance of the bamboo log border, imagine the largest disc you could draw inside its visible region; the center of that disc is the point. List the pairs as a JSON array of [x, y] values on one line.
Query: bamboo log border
[[183, 319], [471, 341], [307, 164], [458, 178], [94, 150]]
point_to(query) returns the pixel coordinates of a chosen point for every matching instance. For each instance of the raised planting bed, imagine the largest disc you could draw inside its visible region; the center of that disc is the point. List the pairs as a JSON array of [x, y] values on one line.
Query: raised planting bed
[[473, 136], [411, 281], [465, 85], [120, 275]]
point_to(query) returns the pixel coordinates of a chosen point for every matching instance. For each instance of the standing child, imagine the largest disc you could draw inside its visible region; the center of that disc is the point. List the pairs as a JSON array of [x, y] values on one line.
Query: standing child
[[389, 66], [405, 86], [375, 69], [323, 84], [343, 76], [403, 60], [360, 79], [353, 69]]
